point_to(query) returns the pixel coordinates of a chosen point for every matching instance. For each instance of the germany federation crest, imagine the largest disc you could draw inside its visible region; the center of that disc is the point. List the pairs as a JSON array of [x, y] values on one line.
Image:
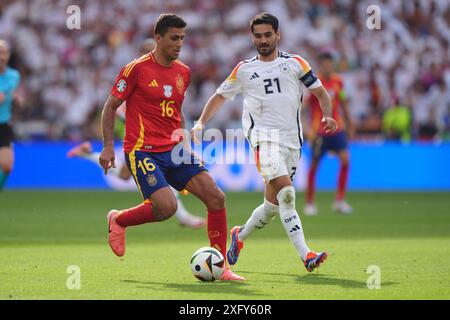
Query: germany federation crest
[[284, 67], [179, 83]]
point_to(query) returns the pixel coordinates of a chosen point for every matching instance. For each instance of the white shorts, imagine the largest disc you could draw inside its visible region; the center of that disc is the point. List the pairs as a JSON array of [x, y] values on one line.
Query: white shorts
[[273, 160]]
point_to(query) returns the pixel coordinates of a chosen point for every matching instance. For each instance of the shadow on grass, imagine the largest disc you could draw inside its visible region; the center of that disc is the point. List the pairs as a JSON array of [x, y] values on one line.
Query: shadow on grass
[[322, 279], [216, 287], [319, 279]]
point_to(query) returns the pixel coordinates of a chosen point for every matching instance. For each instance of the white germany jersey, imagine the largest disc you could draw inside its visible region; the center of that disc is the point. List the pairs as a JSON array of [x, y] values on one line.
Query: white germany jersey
[[272, 97]]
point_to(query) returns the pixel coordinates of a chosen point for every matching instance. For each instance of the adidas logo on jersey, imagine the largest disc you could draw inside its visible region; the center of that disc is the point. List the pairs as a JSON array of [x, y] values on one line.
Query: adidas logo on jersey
[[153, 84], [295, 228], [254, 76]]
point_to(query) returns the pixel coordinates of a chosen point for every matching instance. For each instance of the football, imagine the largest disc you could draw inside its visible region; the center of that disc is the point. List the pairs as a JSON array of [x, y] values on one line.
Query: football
[[207, 264]]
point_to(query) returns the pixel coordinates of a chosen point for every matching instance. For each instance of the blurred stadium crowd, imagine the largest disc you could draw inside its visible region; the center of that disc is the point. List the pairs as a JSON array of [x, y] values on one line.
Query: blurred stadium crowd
[[397, 78]]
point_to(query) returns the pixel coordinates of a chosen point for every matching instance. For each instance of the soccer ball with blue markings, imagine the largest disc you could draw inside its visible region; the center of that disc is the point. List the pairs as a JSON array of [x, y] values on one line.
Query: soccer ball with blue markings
[[207, 264]]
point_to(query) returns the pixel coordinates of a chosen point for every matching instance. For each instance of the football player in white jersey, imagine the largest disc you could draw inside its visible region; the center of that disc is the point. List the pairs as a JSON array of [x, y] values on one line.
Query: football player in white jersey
[[271, 86]]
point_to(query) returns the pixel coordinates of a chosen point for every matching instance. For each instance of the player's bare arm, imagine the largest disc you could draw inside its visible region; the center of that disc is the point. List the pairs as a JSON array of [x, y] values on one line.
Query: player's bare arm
[[212, 106], [186, 144], [308, 132], [107, 156], [328, 122], [17, 101]]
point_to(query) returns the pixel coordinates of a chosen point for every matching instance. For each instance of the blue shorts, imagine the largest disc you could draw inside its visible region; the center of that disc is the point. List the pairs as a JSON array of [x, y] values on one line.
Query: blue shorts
[[323, 144], [155, 170]]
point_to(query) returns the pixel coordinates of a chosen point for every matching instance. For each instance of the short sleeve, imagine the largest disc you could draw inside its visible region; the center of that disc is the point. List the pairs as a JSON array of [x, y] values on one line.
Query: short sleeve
[[125, 82], [232, 85], [306, 75]]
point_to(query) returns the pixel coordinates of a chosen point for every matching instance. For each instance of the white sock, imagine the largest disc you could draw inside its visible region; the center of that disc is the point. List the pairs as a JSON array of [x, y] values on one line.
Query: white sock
[[181, 212], [291, 220], [259, 218], [93, 157], [117, 183]]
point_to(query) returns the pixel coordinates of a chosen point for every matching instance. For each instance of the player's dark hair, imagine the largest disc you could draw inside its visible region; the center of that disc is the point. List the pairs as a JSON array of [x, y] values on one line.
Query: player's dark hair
[[166, 21], [325, 56], [264, 18]]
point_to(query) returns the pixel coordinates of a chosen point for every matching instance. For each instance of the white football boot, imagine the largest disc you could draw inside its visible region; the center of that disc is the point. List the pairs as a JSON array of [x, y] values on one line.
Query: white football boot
[[342, 207], [310, 210]]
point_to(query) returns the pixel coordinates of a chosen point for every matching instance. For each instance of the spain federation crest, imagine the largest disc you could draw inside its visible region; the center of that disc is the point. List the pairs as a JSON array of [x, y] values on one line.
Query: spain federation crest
[[179, 83], [151, 180]]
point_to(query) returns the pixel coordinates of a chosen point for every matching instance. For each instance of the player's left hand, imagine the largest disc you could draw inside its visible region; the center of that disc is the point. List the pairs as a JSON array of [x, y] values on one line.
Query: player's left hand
[[107, 159], [329, 125]]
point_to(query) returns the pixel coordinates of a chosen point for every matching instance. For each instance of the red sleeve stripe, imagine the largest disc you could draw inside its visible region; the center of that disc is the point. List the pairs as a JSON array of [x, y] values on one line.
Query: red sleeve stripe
[[303, 64], [234, 72]]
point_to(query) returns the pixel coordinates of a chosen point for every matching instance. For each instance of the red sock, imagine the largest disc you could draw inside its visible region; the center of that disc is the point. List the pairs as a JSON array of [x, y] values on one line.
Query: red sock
[[311, 184], [217, 230], [342, 182], [140, 214]]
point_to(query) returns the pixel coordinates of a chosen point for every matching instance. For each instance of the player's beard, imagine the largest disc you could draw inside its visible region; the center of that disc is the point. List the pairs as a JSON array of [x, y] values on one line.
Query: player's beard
[[266, 50], [175, 55], [171, 55]]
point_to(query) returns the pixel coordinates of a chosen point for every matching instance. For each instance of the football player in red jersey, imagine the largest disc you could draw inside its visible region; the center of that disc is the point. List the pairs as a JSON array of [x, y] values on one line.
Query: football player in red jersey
[[335, 142], [120, 178], [154, 87]]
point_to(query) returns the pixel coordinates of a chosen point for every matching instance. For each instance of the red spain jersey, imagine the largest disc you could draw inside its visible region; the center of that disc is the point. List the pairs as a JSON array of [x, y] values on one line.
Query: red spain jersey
[[335, 88], [154, 95]]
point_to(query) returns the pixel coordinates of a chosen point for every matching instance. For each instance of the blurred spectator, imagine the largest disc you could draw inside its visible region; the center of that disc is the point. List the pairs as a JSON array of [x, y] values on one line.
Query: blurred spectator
[[67, 74], [397, 122]]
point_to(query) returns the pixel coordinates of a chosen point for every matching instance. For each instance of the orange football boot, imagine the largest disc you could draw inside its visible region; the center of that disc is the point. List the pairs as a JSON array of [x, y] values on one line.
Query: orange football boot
[[313, 260], [116, 234], [229, 275]]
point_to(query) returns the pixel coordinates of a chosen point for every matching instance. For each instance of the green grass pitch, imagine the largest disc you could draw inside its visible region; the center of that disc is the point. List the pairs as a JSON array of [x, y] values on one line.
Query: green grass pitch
[[42, 233]]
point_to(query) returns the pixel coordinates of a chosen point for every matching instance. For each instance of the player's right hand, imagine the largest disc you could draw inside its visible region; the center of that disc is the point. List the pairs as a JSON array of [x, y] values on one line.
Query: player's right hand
[[107, 159], [2, 97], [198, 127], [329, 125]]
